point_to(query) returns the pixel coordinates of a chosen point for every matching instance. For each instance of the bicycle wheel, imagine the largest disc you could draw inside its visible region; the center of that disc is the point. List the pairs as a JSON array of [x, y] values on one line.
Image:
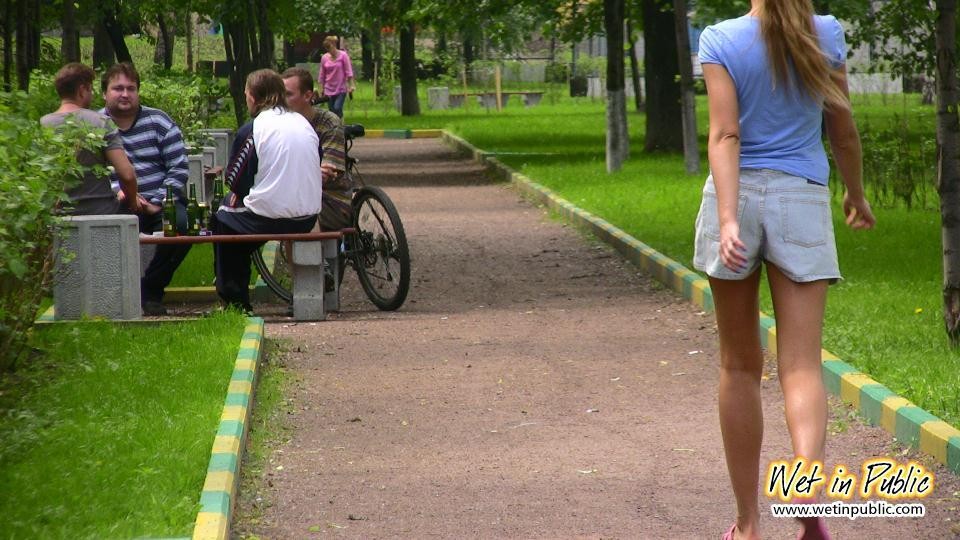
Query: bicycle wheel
[[272, 262], [379, 249]]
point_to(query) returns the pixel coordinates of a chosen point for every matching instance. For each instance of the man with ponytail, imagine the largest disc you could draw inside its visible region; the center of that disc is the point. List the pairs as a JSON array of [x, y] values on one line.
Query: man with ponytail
[[274, 179], [774, 77]]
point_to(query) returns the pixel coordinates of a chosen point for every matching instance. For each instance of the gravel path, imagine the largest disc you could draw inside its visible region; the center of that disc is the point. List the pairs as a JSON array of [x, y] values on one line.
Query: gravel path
[[533, 386]]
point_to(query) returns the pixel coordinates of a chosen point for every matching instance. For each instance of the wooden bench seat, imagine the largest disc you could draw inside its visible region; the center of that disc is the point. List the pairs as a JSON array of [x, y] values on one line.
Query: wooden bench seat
[[310, 301]]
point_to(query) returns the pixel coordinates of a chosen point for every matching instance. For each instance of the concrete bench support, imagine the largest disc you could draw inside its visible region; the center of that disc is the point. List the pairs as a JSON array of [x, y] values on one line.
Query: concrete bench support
[[531, 99], [100, 277], [307, 269], [438, 97], [331, 249]]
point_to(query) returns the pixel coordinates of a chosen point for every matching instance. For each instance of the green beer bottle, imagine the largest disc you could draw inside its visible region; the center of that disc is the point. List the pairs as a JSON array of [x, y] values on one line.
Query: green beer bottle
[[169, 214], [193, 213], [217, 195]]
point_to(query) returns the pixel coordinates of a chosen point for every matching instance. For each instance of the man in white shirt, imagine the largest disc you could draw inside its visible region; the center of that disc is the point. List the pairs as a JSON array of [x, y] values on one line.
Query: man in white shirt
[[274, 179]]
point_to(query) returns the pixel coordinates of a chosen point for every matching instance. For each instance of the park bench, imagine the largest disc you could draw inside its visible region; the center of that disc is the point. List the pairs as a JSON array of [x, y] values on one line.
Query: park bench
[[101, 274], [489, 99], [310, 253]]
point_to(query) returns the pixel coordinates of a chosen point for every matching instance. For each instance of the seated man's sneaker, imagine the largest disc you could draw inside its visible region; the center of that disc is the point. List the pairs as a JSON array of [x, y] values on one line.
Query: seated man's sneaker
[[153, 308]]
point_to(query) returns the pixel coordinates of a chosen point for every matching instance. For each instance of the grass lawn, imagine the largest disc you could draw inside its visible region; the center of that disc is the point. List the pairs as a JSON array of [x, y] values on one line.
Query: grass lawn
[[885, 318], [106, 433]]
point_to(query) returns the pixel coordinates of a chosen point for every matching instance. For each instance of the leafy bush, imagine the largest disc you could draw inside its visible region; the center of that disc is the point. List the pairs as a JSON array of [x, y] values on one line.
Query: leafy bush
[[36, 166], [190, 100]]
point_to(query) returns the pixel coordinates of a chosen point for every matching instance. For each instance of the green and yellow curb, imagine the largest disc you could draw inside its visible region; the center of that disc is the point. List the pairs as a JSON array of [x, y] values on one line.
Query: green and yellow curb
[[876, 403], [218, 497]]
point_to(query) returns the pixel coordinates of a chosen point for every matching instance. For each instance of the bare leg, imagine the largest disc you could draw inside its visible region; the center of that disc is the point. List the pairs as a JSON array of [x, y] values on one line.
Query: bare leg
[[799, 309], [741, 414]]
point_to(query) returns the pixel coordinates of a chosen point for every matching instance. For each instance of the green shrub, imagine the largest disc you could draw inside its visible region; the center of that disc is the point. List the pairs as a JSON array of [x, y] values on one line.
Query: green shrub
[[36, 166], [188, 99]]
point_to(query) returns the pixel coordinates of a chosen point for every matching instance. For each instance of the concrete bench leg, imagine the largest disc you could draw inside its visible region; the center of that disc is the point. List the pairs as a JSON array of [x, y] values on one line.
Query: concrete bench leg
[[307, 271], [331, 251], [532, 99], [101, 277]]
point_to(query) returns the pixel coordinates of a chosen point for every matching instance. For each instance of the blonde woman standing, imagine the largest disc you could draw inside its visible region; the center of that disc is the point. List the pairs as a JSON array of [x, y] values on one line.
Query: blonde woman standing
[[774, 77], [336, 75]]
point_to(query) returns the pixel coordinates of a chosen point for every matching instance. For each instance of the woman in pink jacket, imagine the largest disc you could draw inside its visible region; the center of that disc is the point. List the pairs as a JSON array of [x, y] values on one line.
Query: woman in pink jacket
[[336, 75]]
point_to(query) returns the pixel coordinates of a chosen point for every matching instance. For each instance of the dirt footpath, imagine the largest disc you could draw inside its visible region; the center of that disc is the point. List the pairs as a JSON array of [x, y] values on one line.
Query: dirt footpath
[[533, 386]]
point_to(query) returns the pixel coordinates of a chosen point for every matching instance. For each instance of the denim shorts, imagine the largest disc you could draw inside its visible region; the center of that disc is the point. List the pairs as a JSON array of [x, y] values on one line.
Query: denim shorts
[[784, 220]]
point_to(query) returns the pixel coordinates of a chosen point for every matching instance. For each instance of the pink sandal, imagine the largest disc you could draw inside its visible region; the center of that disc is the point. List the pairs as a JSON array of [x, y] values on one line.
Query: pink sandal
[[814, 528], [729, 534]]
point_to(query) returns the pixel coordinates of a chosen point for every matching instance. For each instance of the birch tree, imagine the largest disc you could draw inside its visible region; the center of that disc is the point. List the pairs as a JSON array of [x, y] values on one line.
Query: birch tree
[[948, 166], [618, 140]]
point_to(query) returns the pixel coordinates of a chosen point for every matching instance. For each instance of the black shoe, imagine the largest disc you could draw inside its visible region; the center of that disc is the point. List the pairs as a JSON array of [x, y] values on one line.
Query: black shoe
[[153, 308]]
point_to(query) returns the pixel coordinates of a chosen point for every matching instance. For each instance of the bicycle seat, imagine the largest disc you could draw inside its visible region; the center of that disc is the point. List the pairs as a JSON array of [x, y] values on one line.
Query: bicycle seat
[[352, 131]]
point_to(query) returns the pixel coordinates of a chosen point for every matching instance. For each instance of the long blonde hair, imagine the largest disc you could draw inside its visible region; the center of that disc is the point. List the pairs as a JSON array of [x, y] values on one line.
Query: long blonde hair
[[788, 31]]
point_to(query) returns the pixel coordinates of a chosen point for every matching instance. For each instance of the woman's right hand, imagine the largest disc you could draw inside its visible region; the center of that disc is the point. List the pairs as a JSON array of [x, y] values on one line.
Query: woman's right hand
[[731, 248], [858, 212]]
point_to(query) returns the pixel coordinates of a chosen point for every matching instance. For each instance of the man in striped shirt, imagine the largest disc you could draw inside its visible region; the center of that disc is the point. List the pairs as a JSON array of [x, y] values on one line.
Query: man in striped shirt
[[154, 144]]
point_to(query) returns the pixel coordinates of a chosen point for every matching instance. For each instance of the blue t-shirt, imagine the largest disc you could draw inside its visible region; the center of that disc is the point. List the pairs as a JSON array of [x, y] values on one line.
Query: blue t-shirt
[[780, 128]]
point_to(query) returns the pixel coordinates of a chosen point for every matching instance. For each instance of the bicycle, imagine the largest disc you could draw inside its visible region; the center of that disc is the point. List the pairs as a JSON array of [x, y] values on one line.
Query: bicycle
[[375, 246]]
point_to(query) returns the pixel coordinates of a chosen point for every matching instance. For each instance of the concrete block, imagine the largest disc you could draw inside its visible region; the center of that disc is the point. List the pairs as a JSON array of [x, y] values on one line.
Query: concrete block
[[229, 133], [438, 97], [307, 269], [307, 253], [456, 100], [595, 87], [331, 251], [532, 98], [195, 175], [488, 100], [209, 156], [221, 145], [97, 270]]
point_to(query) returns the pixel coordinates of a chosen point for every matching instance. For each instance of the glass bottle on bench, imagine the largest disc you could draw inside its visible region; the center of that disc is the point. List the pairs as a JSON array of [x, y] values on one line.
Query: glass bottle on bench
[[217, 195], [193, 213], [169, 214]]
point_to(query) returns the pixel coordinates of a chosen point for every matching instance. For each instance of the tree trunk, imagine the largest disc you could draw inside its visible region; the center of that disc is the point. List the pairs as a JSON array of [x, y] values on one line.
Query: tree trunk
[[267, 49], [33, 40], [103, 54], [691, 153], [289, 53], [376, 42], [70, 44], [8, 11], [163, 53], [634, 69], [23, 48], [188, 35], [618, 139], [366, 55], [469, 55], [948, 173], [238, 55], [115, 32], [409, 104], [664, 125]]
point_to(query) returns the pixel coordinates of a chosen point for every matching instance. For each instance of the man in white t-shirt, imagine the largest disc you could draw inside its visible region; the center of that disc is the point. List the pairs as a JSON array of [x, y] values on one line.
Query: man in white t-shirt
[[274, 179]]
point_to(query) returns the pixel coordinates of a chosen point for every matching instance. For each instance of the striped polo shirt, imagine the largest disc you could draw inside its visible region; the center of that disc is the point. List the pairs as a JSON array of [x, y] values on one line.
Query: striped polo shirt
[[155, 147]]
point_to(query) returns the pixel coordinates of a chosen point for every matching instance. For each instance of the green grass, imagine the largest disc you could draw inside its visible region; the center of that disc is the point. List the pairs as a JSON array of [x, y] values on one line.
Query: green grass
[[891, 272], [197, 269], [269, 428], [107, 432]]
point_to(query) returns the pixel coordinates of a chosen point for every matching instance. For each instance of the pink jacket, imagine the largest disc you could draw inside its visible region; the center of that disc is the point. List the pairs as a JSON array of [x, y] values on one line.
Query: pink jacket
[[334, 73]]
